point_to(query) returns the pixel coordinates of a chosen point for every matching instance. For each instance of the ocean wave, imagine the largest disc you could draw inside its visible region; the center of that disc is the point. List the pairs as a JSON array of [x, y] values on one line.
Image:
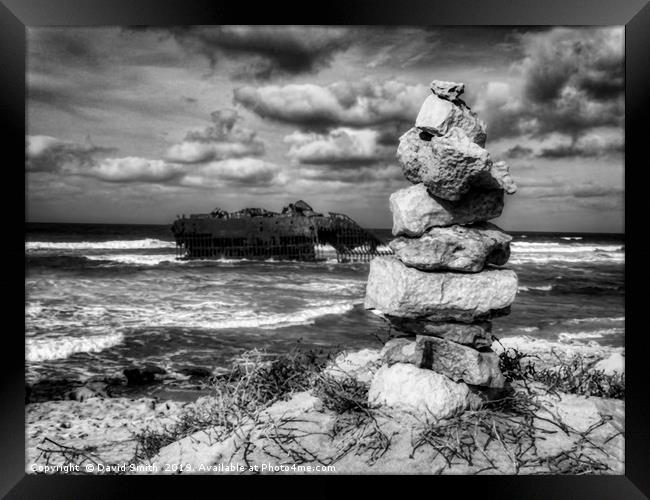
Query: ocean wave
[[545, 288], [296, 318], [593, 334], [577, 321], [560, 258], [570, 238], [324, 286], [203, 315], [523, 252], [553, 247], [49, 349], [137, 259], [146, 243], [528, 329]]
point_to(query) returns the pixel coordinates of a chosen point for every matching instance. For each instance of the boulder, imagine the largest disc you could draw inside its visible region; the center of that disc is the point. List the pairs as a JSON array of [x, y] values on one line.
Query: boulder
[[455, 248], [477, 335], [415, 210], [398, 290], [405, 387], [458, 362], [447, 90], [438, 116], [447, 165]]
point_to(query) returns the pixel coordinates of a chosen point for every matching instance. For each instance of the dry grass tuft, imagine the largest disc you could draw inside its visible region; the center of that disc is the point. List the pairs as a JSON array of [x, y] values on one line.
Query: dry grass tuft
[[572, 376]]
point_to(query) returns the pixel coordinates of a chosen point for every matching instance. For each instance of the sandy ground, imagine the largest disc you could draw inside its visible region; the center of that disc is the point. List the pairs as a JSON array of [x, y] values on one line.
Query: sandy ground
[[103, 427]]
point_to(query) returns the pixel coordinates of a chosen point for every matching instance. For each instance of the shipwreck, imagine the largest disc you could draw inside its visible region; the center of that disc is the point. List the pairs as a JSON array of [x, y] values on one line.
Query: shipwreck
[[296, 233]]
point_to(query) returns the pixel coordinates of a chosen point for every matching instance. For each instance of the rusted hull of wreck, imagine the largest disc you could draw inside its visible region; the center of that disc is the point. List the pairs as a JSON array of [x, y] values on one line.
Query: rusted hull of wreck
[[297, 233]]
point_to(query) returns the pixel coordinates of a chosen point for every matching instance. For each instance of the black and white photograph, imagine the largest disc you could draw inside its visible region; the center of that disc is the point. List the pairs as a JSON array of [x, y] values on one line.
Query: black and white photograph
[[325, 249]]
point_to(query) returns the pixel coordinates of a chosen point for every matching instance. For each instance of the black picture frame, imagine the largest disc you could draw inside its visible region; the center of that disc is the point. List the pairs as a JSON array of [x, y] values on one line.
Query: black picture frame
[[16, 15]]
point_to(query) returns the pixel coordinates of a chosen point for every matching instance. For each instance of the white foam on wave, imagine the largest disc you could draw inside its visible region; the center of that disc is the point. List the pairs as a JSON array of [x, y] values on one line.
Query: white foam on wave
[[146, 243], [578, 321], [594, 334], [545, 288], [324, 286], [48, 349], [569, 238], [528, 329], [275, 321], [137, 259], [553, 247], [524, 252]]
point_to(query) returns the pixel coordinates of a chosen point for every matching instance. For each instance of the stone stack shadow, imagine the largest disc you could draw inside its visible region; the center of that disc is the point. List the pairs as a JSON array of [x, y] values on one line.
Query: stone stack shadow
[[444, 284]]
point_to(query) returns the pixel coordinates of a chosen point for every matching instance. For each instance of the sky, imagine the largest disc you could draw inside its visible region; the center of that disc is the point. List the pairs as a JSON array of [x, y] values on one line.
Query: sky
[[140, 124]]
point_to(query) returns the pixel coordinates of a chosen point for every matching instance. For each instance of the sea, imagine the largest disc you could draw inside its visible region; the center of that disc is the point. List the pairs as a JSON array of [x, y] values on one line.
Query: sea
[[102, 297]]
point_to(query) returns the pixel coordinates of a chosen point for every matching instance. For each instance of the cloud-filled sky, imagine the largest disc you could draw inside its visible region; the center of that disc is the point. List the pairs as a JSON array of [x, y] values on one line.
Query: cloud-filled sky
[[137, 125]]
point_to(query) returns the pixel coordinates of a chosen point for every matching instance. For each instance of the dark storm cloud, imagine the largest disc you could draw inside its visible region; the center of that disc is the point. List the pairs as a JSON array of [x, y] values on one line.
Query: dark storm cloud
[[55, 45], [572, 81], [270, 50], [344, 103], [225, 138]]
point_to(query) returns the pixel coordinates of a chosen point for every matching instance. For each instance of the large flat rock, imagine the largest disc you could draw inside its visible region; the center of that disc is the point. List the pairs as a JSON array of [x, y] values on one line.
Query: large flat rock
[[454, 248], [458, 362], [415, 210], [398, 290], [408, 388]]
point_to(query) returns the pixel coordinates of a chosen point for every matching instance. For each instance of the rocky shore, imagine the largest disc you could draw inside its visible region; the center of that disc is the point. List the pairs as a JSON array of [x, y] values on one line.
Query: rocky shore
[[322, 417]]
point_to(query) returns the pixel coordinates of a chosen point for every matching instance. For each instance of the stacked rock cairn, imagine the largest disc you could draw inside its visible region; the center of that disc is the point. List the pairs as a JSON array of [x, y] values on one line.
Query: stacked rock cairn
[[442, 287]]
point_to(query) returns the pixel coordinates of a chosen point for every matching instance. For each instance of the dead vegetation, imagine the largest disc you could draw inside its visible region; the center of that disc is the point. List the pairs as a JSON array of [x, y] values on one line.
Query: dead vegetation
[[503, 436], [509, 429], [572, 376]]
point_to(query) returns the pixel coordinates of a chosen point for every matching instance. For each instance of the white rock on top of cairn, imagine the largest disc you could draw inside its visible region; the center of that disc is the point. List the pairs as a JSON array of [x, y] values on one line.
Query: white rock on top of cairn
[[441, 288]]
